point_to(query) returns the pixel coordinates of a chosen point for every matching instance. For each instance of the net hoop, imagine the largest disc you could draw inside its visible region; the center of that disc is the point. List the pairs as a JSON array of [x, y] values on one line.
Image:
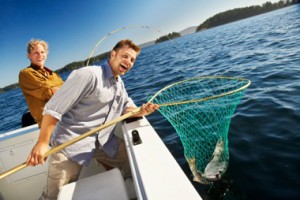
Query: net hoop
[[243, 87], [200, 109]]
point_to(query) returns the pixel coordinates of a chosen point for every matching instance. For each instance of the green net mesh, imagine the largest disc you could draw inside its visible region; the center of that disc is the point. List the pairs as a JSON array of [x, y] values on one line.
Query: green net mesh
[[200, 110]]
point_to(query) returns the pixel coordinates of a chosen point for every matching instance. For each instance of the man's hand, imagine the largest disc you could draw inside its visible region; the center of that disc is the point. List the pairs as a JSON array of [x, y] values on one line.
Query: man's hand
[[37, 155], [148, 108]]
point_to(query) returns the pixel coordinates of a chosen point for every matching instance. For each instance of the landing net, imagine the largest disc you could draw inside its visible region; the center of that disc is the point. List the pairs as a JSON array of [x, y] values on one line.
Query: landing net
[[200, 109]]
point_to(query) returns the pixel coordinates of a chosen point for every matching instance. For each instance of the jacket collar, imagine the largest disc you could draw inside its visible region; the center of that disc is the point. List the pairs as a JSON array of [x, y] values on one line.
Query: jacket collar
[[35, 67]]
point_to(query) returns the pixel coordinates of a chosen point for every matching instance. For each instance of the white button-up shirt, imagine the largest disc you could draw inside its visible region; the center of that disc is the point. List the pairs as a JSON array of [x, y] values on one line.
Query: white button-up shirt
[[89, 97]]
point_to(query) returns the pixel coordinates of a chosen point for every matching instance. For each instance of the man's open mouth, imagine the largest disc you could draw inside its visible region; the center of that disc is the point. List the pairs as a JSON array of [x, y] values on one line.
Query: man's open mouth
[[124, 67]]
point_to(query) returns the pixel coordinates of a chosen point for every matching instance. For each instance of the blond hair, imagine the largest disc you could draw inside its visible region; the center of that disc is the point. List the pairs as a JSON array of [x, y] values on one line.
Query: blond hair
[[33, 43]]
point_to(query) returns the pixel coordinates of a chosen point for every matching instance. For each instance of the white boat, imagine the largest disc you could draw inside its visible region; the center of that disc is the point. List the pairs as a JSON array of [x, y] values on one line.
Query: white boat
[[155, 173]]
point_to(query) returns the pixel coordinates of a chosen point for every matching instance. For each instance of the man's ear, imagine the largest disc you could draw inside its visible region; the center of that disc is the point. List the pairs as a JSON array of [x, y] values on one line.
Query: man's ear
[[113, 53]]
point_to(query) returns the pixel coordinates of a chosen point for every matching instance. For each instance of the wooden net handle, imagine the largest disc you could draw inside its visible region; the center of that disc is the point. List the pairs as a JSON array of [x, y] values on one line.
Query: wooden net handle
[[70, 142]]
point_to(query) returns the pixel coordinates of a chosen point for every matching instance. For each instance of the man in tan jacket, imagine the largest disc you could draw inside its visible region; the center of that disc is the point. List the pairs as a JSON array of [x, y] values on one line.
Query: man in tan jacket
[[38, 83]]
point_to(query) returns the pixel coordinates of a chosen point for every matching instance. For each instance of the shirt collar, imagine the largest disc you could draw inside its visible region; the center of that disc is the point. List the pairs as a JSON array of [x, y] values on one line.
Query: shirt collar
[[108, 72], [35, 67]]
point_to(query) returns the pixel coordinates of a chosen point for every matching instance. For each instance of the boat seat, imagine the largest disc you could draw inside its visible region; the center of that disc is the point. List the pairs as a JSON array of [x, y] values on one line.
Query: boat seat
[[108, 185]]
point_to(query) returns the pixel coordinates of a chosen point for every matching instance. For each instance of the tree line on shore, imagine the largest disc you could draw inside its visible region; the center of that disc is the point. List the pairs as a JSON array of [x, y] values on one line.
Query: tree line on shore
[[216, 20], [242, 13]]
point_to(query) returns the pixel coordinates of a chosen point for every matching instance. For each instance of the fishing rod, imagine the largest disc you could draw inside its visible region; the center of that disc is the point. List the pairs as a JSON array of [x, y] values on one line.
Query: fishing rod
[[118, 30], [125, 116]]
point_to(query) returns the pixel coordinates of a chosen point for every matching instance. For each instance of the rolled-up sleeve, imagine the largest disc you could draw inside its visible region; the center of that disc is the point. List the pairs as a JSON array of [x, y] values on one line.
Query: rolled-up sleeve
[[77, 86]]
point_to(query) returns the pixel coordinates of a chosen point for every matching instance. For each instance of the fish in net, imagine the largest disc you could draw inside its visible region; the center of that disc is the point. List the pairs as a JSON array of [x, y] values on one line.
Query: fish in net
[[200, 109]]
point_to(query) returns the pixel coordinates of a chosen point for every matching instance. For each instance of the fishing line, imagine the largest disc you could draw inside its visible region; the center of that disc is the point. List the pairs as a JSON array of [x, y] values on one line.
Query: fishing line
[[118, 30]]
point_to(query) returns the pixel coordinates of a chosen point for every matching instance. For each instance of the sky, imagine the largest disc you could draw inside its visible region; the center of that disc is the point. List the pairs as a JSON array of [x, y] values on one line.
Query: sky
[[72, 28]]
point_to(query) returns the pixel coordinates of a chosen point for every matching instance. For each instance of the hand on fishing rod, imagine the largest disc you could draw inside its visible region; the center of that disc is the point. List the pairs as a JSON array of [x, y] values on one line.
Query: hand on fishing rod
[[37, 155]]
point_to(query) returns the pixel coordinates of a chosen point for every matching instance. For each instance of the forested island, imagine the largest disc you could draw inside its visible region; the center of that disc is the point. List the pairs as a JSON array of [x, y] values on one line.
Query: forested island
[[216, 20], [242, 13], [170, 36]]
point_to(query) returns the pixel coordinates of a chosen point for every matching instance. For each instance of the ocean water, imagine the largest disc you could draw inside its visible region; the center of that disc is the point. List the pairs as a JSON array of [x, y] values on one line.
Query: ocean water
[[264, 139]]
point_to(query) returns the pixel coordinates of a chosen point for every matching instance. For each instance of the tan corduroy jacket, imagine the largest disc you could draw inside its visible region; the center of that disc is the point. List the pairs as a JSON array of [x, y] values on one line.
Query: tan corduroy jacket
[[36, 84]]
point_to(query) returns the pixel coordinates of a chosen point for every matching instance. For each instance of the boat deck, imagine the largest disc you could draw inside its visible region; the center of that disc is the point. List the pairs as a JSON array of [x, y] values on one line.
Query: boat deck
[[156, 174]]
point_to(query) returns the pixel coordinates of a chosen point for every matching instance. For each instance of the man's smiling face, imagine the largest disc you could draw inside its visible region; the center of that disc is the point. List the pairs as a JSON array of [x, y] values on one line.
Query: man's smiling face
[[122, 60], [38, 55]]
